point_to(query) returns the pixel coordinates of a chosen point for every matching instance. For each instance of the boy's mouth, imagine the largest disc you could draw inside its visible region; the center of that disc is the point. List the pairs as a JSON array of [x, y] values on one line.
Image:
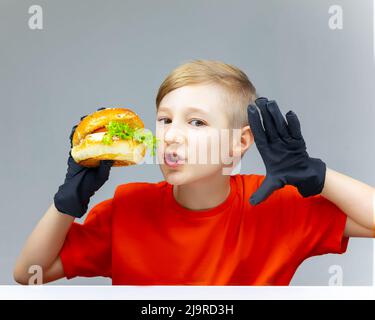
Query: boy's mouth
[[173, 159]]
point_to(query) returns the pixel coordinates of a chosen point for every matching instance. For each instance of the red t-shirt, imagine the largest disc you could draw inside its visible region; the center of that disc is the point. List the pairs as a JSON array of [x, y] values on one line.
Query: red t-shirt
[[143, 236]]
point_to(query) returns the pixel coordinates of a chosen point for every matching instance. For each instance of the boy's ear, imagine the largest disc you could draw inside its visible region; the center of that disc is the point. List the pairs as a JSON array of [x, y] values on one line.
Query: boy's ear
[[245, 142]]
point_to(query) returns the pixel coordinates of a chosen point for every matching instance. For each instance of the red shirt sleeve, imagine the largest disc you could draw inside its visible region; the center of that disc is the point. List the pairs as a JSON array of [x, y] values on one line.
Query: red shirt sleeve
[[315, 225], [87, 248]]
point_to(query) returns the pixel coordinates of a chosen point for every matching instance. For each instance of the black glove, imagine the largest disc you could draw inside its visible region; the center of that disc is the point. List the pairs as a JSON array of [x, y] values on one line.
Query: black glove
[[80, 184], [283, 151]]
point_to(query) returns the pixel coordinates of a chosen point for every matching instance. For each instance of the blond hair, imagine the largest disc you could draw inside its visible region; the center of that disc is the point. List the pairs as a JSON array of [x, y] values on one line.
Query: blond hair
[[239, 91]]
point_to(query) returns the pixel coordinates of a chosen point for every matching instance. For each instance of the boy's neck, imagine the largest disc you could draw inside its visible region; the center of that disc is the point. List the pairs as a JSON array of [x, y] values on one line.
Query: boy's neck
[[203, 194]]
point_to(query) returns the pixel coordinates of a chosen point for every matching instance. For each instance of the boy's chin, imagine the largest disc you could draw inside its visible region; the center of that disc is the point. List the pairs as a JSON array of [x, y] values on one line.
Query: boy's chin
[[185, 177], [175, 178]]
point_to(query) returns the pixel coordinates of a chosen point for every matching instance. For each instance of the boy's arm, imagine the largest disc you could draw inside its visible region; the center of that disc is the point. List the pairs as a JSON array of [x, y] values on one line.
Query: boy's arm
[[43, 246], [355, 199], [283, 151]]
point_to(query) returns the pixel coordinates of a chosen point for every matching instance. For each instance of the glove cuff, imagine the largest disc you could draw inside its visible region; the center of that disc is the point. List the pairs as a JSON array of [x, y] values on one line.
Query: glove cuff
[[314, 178], [72, 207]]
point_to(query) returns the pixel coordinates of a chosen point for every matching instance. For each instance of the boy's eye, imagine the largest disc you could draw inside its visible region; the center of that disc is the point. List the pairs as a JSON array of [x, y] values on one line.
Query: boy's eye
[[161, 119], [195, 122], [199, 123]]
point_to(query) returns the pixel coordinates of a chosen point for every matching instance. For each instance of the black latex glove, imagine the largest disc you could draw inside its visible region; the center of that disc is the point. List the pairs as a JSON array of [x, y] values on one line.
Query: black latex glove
[[283, 151], [80, 184]]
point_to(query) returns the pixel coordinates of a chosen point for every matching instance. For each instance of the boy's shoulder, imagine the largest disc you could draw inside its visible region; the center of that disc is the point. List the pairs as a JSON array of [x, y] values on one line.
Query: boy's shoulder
[[140, 188], [250, 177], [252, 182], [249, 181], [140, 196]]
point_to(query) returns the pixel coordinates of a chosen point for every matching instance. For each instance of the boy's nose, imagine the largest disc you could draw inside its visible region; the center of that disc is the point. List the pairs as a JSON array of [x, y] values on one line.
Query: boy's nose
[[174, 135]]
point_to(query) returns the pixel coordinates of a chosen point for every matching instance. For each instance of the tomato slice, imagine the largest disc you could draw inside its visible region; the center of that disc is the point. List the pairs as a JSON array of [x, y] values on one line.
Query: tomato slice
[[100, 130]]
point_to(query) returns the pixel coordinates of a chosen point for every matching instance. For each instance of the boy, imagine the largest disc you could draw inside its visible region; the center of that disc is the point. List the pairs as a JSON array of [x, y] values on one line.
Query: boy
[[198, 227]]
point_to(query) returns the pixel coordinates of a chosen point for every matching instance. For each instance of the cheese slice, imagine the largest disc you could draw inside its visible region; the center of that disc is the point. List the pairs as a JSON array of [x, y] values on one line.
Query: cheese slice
[[98, 136]]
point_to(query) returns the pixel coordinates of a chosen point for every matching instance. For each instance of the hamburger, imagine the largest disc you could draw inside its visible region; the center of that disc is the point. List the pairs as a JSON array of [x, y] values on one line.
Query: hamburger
[[111, 134]]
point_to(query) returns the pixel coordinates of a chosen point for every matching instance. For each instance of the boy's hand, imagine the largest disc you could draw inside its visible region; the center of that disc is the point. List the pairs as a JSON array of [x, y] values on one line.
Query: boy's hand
[[80, 184], [283, 151]]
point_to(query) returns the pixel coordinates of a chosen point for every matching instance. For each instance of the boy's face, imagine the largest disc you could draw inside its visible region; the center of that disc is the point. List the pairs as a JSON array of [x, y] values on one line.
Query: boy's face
[[199, 137]]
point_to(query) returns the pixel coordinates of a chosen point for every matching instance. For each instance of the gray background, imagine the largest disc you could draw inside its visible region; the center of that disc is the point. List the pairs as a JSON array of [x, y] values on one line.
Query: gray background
[[95, 53]]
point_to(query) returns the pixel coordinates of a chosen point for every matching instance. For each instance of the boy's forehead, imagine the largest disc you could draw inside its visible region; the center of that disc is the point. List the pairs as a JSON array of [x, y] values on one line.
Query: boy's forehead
[[200, 98], [187, 108]]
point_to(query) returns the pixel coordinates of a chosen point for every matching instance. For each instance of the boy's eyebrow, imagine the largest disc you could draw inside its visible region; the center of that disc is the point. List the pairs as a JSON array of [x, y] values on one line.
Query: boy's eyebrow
[[188, 109]]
